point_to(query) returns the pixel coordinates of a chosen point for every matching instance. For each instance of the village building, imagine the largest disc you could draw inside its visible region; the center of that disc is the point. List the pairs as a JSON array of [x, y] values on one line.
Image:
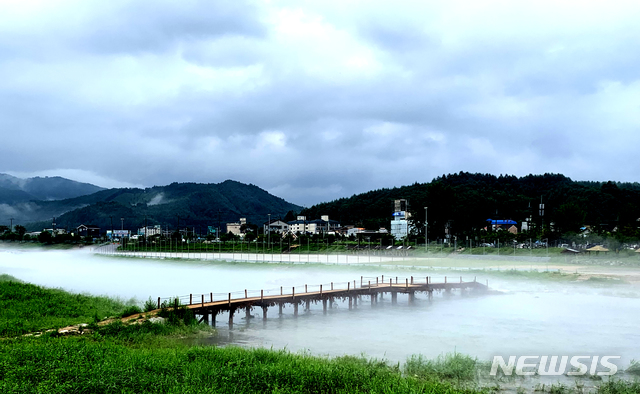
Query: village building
[[88, 230]]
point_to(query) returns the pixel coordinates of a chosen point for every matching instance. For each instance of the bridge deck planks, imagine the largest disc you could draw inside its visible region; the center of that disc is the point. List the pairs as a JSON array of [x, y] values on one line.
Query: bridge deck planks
[[237, 303]]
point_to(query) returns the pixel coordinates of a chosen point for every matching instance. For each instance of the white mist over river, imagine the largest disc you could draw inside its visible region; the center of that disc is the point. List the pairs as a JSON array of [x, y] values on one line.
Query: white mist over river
[[537, 317]]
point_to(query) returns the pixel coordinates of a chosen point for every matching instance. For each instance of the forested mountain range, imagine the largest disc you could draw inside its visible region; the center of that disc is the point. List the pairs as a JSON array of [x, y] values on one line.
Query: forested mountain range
[[464, 202], [15, 190], [178, 204]]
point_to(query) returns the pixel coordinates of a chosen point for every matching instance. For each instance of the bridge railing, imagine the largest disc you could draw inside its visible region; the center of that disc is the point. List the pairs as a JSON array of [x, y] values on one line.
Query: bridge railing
[[364, 282]]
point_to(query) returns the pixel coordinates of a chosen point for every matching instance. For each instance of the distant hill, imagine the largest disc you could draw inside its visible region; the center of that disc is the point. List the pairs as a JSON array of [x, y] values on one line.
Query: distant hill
[[13, 189], [464, 201], [187, 204]]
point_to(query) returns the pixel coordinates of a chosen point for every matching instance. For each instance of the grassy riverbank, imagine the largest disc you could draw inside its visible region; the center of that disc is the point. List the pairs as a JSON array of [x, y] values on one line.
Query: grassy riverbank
[[153, 358], [26, 308], [150, 358]]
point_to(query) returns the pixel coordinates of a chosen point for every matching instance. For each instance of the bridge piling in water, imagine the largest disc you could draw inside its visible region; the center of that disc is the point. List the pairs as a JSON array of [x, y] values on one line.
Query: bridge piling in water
[[231, 312]]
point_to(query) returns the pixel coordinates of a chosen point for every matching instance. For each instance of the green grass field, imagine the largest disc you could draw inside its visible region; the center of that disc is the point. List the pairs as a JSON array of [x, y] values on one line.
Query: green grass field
[[26, 308]]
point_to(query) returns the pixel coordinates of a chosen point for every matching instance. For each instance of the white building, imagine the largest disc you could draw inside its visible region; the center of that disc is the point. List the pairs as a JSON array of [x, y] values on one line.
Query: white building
[[277, 226], [235, 228], [317, 226], [354, 231], [400, 226], [150, 230]]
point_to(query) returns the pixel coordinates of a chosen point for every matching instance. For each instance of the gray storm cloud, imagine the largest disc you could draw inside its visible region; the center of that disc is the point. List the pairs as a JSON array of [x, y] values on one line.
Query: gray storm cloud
[[318, 101]]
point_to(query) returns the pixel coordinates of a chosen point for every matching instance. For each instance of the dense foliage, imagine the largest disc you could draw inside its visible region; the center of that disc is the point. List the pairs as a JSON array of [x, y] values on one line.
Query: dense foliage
[[464, 201]]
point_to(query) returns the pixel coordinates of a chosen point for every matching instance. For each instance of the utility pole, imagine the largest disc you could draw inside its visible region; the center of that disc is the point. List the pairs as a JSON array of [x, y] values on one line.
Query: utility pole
[[218, 232], [426, 230], [541, 213]]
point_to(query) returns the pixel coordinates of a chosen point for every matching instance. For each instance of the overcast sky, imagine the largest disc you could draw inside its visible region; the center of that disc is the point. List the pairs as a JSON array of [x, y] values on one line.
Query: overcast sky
[[314, 101]]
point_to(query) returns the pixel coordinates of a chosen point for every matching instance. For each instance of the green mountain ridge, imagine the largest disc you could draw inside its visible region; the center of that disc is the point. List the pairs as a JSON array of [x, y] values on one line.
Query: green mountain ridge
[[192, 205]]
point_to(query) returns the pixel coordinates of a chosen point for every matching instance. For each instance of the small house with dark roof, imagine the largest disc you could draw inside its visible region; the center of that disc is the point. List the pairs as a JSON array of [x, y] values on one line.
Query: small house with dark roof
[[509, 225], [88, 230], [276, 225]]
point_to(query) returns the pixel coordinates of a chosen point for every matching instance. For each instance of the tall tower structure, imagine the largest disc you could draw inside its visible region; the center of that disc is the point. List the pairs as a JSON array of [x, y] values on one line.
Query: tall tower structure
[[400, 219]]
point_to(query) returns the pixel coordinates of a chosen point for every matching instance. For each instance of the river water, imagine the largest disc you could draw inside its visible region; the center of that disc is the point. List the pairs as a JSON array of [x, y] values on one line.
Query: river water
[[529, 317]]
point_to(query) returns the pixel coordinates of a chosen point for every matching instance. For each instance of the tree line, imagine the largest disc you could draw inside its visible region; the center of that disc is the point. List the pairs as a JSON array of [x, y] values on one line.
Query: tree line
[[461, 204]]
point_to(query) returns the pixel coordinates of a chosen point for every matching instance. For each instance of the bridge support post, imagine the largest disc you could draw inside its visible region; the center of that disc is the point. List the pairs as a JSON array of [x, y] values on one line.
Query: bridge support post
[[394, 297], [430, 294], [264, 313], [330, 302], [350, 302], [355, 302], [280, 309], [247, 315], [213, 318], [412, 297], [307, 305], [373, 300], [295, 309], [231, 312], [324, 306]]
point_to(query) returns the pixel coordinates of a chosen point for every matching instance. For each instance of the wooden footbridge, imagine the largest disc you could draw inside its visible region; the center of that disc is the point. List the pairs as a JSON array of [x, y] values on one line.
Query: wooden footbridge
[[208, 306]]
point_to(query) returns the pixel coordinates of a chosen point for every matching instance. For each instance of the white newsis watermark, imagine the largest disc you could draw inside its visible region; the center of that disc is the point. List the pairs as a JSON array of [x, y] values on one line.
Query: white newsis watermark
[[554, 365]]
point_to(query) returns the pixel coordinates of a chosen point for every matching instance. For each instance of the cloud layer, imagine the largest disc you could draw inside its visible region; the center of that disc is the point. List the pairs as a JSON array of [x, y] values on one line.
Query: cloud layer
[[315, 101]]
